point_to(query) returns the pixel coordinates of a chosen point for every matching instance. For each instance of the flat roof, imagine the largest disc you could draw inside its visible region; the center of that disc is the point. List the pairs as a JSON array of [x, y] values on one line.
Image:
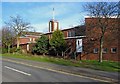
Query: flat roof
[[101, 16]]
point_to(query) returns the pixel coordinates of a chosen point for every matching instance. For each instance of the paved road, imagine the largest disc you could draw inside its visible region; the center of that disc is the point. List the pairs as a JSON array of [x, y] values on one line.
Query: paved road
[[13, 72]]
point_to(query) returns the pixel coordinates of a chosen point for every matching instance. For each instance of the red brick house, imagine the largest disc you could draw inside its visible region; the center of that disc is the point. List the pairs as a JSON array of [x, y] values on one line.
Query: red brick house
[[28, 40]]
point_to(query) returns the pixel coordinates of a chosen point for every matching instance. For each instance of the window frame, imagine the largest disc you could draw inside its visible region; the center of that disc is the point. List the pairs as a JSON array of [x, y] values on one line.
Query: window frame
[[104, 50], [69, 33], [113, 51], [94, 51], [30, 39]]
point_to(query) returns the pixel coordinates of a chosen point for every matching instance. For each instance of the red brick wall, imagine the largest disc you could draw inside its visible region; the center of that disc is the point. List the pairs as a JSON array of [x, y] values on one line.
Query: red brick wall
[[24, 47], [65, 33], [109, 42], [24, 40]]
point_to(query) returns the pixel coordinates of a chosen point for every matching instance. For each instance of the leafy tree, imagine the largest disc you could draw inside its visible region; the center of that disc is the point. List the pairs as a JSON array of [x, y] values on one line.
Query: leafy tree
[[57, 42], [42, 45], [102, 22], [19, 26]]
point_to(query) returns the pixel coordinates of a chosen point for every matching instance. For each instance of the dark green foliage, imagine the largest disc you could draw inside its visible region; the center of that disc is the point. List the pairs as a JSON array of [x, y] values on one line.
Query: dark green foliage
[[42, 45], [57, 42], [18, 50]]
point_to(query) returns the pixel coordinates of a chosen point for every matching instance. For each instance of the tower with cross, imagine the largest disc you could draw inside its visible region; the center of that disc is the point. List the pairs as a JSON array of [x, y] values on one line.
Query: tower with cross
[[53, 24]]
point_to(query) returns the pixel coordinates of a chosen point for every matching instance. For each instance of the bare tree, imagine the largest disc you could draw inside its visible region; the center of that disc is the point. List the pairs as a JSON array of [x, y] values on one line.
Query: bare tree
[[7, 38], [19, 26], [101, 14]]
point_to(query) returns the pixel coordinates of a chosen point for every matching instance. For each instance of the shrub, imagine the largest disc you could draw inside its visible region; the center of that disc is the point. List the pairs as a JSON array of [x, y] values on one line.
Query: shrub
[[12, 50], [4, 50], [42, 46]]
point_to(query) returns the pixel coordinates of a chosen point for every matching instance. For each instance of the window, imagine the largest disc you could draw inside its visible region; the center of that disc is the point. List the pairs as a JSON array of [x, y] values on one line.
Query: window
[[113, 50], [27, 47], [33, 39], [104, 50], [69, 33], [73, 33], [95, 50], [30, 39], [78, 42]]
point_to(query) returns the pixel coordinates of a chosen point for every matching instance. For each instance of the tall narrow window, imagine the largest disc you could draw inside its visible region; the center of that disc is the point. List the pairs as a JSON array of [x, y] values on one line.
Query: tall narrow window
[[27, 47], [69, 33], [30, 39], [33, 39]]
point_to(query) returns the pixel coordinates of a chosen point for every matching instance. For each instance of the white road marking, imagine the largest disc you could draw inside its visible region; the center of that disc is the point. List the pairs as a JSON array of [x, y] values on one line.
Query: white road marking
[[18, 71], [103, 80]]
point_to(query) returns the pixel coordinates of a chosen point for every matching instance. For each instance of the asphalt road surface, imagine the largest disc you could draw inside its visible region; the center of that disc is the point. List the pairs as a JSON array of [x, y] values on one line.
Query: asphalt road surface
[[13, 72]]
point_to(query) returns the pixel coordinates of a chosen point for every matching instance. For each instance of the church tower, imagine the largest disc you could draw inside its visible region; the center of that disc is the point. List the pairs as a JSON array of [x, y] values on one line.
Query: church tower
[[53, 24]]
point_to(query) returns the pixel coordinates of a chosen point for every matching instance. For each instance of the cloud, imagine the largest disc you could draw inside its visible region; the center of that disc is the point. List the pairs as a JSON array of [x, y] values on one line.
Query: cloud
[[39, 14], [70, 21], [64, 23], [45, 12], [43, 27], [63, 13]]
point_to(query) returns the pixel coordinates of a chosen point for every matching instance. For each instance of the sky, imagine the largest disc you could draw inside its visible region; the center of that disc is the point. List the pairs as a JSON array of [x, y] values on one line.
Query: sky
[[68, 14]]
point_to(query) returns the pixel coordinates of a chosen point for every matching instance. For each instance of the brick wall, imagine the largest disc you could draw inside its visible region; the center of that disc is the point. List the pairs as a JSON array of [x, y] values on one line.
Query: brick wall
[[110, 41]]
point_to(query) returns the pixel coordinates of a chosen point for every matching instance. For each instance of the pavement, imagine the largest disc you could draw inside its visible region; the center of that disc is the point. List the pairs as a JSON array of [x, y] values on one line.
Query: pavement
[[61, 72]]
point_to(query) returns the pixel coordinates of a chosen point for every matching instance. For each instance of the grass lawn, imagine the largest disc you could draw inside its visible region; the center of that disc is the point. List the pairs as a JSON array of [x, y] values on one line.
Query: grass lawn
[[93, 64]]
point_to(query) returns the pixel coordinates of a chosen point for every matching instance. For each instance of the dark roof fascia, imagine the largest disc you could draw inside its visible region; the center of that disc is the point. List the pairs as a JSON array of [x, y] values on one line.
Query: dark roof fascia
[[66, 29], [73, 27], [32, 33], [76, 37]]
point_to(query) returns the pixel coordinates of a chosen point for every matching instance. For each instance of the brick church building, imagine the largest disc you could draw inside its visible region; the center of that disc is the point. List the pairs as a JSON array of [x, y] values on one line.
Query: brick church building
[[80, 45]]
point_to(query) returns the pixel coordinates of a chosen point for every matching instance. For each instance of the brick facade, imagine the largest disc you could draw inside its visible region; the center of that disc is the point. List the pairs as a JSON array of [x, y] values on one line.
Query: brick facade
[[90, 43], [110, 40], [88, 53], [28, 40]]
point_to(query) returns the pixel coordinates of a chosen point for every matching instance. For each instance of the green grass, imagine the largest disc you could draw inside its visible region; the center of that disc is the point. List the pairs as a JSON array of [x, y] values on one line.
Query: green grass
[[105, 65], [93, 64]]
